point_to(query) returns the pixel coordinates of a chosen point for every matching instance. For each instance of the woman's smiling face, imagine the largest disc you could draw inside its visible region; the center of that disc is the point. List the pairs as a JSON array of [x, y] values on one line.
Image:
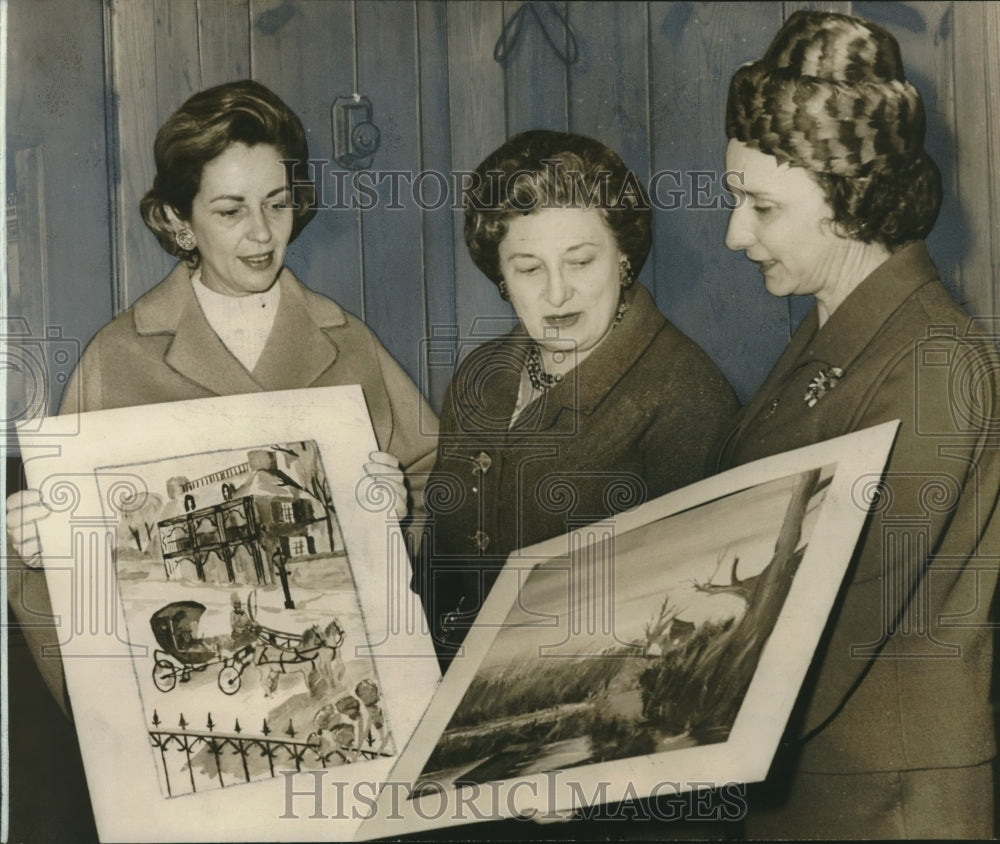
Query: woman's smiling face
[[242, 220], [561, 267], [784, 224]]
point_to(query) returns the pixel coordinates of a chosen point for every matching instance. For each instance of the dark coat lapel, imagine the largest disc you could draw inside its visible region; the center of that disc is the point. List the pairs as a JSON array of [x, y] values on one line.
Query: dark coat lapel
[[586, 386], [867, 310], [851, 327]]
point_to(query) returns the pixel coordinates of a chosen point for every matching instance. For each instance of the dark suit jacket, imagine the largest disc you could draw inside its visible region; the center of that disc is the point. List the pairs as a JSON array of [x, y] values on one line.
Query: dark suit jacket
[[633, 421], [902, 679]]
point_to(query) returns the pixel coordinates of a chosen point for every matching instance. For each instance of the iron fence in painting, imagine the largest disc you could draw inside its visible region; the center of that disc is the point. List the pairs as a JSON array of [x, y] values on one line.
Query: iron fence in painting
[[207, 758]]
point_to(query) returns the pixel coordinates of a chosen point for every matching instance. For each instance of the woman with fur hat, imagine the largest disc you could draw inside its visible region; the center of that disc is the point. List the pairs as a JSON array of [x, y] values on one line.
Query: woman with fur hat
[[893, 733]]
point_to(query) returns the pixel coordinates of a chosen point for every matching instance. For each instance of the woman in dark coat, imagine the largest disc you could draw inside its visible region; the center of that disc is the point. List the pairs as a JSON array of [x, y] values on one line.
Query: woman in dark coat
[[592, 405], [893, 734]]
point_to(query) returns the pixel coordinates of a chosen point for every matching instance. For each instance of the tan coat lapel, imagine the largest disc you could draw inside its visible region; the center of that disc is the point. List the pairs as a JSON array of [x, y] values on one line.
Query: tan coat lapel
[[297, 352]]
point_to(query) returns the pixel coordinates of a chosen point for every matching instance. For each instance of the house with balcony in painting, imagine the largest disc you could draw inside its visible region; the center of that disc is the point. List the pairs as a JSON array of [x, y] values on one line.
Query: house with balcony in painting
[[242, 524]]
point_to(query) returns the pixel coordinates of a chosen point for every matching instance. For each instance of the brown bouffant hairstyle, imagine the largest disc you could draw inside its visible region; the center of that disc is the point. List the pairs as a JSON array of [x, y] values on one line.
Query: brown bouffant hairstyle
[[202, 129], [546, 169], [830, 95]]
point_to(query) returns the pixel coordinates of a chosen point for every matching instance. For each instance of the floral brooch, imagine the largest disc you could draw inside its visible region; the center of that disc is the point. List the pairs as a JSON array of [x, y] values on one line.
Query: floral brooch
[[822, 384]]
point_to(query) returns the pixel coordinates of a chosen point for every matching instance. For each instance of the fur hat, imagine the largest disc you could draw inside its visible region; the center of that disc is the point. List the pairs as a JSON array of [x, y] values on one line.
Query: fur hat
[[829, 95]]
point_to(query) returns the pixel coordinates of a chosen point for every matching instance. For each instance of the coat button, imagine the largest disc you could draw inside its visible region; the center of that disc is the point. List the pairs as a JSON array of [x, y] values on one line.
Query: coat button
[[480, 540], [482, 462]]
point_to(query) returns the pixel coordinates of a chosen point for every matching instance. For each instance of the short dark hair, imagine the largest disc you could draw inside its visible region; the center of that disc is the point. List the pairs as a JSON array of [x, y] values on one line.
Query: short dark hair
[[547, 169], [890, 206], [201, 130], [830, 95]]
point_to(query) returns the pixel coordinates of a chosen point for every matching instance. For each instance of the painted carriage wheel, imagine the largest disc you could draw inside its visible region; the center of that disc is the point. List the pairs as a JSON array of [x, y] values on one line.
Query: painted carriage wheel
[[164, 675], [230, 680]]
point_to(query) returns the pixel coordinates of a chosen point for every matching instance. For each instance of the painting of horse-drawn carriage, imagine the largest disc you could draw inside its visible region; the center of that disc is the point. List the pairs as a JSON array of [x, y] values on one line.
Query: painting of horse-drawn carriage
[[236, 582], [234, 573], [182, 651], [314, 652]]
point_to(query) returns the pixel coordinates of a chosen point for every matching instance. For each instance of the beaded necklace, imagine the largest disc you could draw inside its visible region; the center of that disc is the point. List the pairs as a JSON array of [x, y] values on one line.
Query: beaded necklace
[[541, 380]]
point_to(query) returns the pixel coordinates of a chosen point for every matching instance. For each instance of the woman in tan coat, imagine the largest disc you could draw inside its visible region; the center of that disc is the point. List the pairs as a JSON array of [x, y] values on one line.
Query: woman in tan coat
[[230, 318]]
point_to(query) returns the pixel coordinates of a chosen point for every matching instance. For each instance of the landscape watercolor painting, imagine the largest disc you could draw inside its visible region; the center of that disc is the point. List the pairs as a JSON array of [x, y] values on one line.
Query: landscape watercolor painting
[[652, 653], [693, 606], [234, 576]]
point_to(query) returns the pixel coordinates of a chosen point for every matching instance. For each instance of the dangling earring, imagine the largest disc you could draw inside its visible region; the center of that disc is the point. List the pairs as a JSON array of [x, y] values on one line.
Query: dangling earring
[[185, 239], [503, 291], [625, 276]]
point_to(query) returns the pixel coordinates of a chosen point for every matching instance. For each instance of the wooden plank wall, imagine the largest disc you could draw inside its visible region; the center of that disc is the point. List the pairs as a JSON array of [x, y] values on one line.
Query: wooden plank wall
[[649, 79], [57, 168]]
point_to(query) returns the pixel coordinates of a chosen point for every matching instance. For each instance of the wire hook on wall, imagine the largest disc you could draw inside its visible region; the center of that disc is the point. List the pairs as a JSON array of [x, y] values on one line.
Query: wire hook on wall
[[568, 52]]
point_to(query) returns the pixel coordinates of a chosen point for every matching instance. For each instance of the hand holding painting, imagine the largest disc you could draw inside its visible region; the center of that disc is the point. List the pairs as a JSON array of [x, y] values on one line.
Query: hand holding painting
[[24, 510]]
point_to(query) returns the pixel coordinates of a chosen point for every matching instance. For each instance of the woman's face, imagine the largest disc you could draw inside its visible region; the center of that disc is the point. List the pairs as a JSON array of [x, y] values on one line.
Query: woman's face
[[561, 268], [784, 225], [242, 219]]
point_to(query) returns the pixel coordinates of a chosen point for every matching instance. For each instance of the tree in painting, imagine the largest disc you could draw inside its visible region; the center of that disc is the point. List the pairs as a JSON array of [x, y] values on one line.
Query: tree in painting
[[697, 687], [137, 522]]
